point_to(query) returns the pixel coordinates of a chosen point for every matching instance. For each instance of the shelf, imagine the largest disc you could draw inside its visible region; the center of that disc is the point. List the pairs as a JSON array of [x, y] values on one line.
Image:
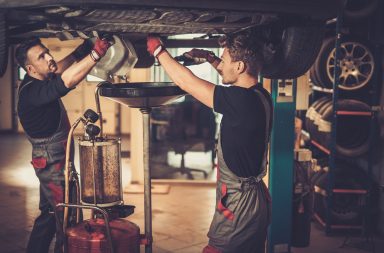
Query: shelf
[[325, 150], [354, 113], [323, 192], [323, 212], [347, 191], [321, 89], [339, 226]]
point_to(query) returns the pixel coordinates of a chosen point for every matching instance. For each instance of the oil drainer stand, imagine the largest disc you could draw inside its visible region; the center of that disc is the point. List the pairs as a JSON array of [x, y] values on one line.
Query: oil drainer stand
[[143, 96]]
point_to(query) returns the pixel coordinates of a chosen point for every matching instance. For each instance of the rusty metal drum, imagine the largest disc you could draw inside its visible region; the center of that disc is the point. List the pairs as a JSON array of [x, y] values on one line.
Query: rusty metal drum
[[90, 237], [100, 172]]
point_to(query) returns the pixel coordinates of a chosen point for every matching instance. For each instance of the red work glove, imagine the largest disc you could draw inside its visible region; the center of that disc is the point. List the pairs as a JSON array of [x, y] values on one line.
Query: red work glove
[[155, 46], [200, 56], [100, 49]]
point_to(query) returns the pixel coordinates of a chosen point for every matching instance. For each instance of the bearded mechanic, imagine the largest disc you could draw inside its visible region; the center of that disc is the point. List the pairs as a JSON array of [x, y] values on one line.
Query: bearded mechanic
[[45, 121], [242, 213]]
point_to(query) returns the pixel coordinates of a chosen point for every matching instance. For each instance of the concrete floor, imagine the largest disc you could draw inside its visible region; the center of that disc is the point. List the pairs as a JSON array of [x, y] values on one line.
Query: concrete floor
[[181, 218]]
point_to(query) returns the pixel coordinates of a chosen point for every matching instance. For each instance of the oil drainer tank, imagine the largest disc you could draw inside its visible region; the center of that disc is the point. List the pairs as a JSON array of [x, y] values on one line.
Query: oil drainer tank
[[100, 171]]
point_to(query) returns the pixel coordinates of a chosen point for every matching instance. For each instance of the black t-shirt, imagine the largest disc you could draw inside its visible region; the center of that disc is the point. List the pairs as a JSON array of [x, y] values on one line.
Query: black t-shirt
[[39, 107], [243, 127]]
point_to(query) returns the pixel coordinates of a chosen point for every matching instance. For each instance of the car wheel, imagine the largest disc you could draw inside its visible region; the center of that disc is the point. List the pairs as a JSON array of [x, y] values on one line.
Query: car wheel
[[357, 9], [356, 62], [3, 44], [295, 51]]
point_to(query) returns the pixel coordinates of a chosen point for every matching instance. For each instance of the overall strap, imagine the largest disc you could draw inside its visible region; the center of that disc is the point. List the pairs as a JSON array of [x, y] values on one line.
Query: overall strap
[[18, 94], [268, 126]]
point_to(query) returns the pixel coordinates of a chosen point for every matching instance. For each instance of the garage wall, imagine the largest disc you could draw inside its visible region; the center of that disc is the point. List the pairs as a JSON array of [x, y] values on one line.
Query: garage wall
[[6, 98]]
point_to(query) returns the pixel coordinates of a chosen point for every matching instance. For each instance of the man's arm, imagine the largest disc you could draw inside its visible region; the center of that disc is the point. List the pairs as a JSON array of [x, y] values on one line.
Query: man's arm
[[76, 72], [200, 89], [64, 63], [77, 55], [199, 56]]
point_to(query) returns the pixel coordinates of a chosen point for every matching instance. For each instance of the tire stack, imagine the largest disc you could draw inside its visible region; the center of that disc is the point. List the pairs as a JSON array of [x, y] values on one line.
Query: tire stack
[[357, 67], [353, 132], [347, 207], [356, 82]]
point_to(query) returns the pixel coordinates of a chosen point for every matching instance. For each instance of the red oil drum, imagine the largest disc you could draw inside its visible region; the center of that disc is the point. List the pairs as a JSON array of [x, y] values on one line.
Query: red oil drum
[[90, 237]]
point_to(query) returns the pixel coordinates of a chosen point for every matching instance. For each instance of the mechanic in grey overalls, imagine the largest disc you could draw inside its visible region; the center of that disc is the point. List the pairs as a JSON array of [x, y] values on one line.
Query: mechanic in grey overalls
[[243, 204], [243, 208], [45, 121]]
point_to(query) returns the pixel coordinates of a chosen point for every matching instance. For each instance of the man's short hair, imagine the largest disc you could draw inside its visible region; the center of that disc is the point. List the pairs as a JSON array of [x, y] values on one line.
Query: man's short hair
[[22, 50], [247, 47]]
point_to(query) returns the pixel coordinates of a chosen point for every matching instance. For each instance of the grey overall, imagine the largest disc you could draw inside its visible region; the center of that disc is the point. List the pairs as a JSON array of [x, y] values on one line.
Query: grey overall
[[243, 206], [48, 160]]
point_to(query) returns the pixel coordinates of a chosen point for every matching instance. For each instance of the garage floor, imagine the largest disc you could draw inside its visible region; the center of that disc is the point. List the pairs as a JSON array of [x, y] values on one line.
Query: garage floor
[[180, 219]]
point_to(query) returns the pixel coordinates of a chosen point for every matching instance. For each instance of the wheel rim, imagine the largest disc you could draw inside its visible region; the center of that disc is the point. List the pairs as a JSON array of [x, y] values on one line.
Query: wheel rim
[[356, 65]]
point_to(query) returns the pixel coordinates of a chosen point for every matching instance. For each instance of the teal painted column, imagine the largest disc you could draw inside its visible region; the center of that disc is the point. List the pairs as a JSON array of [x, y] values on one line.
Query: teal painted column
[[281, 165]]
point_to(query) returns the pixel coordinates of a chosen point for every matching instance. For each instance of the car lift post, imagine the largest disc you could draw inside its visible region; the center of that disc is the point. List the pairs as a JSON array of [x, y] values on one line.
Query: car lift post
[[281, 165]]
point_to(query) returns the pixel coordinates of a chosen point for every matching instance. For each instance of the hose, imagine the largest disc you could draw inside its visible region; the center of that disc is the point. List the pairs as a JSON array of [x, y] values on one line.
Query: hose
[[97, 99], [67, 172]]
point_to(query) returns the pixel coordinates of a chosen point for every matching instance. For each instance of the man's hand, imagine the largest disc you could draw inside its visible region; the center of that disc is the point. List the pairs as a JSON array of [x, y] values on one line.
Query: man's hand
[[100, 49], [155, 46], [199, 56], [83, 49]]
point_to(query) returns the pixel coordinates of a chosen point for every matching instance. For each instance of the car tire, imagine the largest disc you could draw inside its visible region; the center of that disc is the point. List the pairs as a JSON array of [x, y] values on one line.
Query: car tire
[[324, 65], [296, 51], [345, 207], [352, 132], [357, 9], [315, 108], [3, 44], [313, 77]]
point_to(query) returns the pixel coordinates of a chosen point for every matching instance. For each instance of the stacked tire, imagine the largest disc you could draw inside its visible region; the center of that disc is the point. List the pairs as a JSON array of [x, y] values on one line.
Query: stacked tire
[[352, 137], [353, 130], [355, 10], [356, 58], [346, 207], [356, 64]]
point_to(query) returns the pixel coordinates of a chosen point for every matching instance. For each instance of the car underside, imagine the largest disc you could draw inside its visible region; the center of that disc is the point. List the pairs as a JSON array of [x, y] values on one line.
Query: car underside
[[280, 24]]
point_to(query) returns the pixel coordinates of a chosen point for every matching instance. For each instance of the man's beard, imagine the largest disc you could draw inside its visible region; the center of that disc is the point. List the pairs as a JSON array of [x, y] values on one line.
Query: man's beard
[[52, 66]]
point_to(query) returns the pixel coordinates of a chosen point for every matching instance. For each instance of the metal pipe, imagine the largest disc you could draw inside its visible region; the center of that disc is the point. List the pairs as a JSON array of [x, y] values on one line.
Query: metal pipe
[[93, 174], [120, 171], [78, 192], [147, 179], [77, 199], [66, 170], [98, 109], [335, 97]]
